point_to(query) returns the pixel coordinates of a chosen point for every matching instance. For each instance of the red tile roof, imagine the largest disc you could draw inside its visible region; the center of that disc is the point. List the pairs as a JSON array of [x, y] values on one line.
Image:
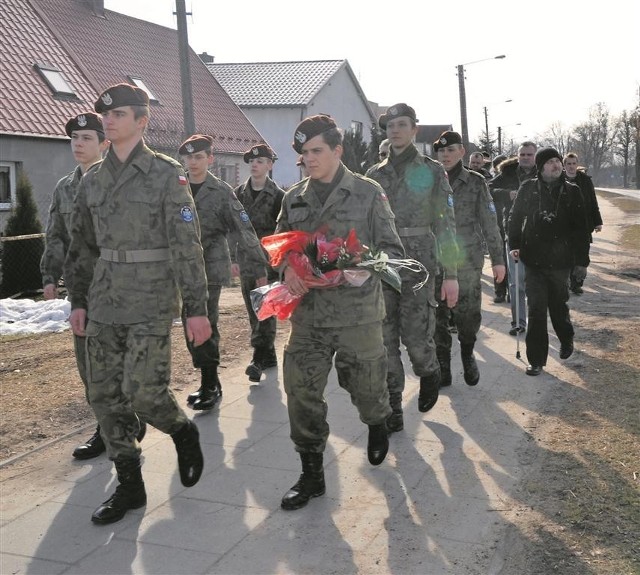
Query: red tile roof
[[94, 53]]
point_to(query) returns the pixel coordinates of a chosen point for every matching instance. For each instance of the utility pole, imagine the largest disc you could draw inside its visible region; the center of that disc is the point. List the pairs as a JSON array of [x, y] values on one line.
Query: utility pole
[[185, 69], [463, 108], [487, 147]]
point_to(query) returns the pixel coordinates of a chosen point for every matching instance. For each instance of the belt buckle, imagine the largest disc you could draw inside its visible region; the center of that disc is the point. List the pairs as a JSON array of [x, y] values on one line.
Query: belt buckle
[[122, 256]]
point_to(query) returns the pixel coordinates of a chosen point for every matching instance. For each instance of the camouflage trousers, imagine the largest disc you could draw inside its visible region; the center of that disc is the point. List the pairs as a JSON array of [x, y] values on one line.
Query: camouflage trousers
[[361, 366], [466, 313], [207, 354], [263, 333], [80, 350], [129, 368], [411, 318]]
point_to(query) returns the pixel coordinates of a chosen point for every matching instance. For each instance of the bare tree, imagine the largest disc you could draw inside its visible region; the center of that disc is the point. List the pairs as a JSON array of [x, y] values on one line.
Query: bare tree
[[556, 137], [593, 140], [624, 143]]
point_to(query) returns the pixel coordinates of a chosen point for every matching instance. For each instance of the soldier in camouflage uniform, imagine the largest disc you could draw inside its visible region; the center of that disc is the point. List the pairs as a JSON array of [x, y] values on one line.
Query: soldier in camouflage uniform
[[421, 199], [475, 220], [262, 198], [135, 220], [223, 223], [87, 144], [342, 322]]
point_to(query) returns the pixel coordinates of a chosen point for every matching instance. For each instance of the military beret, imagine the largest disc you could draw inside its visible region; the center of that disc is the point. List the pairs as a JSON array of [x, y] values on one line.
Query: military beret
[[86, 121], [445, 139], [121, 95], [196, 143], [396, 111], [544, 155], [311, 127], [259, 151]]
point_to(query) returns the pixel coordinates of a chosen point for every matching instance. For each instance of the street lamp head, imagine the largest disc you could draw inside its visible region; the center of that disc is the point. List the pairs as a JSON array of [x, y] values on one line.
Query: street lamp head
[[501, 57]]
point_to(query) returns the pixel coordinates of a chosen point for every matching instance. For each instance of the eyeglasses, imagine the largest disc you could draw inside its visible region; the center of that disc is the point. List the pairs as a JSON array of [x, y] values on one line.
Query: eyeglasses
[[383, 154]]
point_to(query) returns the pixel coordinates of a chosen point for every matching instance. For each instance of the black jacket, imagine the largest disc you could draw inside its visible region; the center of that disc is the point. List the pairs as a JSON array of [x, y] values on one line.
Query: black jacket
[[548, 224], [591, 201], [509, 179]]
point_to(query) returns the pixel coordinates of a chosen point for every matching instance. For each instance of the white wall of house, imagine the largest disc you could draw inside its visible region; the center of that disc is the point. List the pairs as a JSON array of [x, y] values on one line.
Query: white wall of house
[[338, 98], [44, 161]]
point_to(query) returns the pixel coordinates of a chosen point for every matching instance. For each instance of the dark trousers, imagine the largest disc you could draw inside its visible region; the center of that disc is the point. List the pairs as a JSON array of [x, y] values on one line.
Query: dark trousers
[[263, 333], [546, 290], [207, 354]]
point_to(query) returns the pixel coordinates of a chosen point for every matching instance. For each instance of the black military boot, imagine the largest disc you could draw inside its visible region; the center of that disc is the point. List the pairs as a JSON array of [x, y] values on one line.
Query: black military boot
[[211, 390], [310, 484], [469, 365], [190, 459], [395, 422], [93, 447], [129, 494], [378, 444], [444, 359], [255, 368], [429, 391]]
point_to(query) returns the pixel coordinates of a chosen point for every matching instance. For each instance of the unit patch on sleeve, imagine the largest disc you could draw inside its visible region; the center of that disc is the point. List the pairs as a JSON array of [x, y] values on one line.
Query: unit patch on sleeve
[[187, 213]]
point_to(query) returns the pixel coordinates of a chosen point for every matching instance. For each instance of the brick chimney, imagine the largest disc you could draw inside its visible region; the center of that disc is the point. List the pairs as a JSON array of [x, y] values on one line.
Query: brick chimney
[[206, 58], [98, 7]]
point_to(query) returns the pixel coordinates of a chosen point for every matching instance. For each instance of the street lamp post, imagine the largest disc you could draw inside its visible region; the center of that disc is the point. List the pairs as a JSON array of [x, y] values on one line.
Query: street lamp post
[[463, 98], [486, 128], [500, 136]]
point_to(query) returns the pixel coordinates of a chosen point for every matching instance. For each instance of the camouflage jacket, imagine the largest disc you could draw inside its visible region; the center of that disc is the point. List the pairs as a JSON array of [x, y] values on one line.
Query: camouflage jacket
[[58, 231], [224, 223], [356, 203], [143, 229], [476, 218], [422, 198], [263, 211]]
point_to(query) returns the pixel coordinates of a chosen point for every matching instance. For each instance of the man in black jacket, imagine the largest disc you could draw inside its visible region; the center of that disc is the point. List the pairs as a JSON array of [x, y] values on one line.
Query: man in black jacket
[[504, 187], [548, 231], [594, 219]]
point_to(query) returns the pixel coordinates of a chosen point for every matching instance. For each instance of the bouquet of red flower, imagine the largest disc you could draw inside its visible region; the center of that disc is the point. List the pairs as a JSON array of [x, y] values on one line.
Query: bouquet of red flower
[[323, 263]]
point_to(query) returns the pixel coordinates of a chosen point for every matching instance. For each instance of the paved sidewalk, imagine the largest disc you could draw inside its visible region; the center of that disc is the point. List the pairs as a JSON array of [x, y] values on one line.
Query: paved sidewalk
[[440, 503]]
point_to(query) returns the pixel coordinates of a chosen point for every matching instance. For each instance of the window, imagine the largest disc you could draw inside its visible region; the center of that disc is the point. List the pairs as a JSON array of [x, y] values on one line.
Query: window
[[7, 185], [54, 78], [138, 82], [228, 174], [356, 128]]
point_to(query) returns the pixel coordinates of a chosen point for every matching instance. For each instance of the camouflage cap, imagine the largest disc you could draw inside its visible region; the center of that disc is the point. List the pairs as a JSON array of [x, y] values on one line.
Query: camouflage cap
[[121, 95], [445, 139], [85, 121], [396, 111], [310, 128], [196, 143], [259, 151]]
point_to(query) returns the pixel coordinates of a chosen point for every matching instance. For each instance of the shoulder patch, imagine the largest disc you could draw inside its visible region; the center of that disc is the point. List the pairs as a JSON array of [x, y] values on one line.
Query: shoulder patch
[[187, 213], [244, 216], [182, 180], [492, 207], [450, 200]]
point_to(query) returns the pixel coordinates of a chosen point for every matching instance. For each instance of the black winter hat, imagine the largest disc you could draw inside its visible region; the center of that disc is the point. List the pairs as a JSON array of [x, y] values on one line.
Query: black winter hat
[[543, 155], [445, 139]]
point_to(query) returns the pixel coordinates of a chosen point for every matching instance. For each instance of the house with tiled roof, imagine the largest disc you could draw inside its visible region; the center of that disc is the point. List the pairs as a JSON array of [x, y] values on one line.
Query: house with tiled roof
[[276, 96], [58, 55]]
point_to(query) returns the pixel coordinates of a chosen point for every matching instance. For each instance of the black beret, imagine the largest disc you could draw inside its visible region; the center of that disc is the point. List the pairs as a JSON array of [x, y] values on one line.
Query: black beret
[[544, 155], [447, 139], [86, 121], [259, 151], [311, 127], [396, 111], [121, 95], [196, 143]]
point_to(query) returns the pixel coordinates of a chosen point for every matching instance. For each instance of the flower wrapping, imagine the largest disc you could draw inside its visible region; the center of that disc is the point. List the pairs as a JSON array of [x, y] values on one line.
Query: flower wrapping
[[323, 264]]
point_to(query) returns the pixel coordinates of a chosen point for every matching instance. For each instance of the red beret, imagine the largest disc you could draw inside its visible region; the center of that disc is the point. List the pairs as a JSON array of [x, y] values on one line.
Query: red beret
[[259, 151], [311, 127], [121, 95], [196, 143]]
